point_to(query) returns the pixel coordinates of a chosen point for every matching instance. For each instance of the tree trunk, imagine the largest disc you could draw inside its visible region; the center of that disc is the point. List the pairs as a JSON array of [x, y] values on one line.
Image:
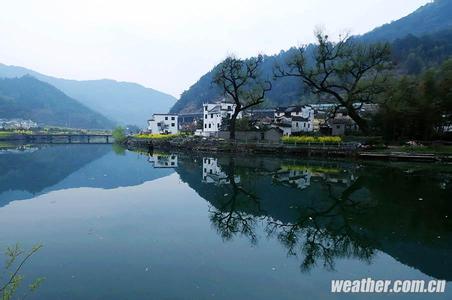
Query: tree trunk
[[362, 123], [232, 124]]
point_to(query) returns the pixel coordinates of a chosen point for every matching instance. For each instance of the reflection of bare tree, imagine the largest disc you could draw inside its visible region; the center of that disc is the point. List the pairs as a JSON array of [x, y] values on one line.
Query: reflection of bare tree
[[234, 217], [325, 234]]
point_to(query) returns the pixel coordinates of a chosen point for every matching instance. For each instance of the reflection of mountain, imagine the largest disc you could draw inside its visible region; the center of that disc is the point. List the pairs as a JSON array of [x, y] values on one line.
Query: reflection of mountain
[[344, 211], [25, 175]]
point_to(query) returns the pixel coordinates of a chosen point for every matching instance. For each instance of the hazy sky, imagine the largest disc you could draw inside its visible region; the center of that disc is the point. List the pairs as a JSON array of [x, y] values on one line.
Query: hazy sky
[[169, 44]]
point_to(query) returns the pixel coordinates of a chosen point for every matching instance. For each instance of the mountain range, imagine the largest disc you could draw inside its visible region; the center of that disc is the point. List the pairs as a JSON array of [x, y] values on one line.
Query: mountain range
[[121, 102], [29, 98], [420, 40]]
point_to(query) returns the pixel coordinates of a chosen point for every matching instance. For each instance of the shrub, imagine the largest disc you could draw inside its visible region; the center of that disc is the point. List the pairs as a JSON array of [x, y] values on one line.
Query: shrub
[[119, 134]]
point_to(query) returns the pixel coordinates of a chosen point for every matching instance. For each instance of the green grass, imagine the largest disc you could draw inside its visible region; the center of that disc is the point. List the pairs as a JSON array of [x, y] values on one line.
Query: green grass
[[5, 133], [440, 149]]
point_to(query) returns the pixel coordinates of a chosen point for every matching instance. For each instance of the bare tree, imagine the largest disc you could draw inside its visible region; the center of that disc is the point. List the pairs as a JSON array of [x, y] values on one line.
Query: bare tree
[[347, 72], [240, 81]]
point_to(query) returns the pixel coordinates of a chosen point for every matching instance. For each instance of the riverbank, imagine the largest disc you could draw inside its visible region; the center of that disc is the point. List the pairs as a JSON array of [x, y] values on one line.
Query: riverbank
[[349, 149]]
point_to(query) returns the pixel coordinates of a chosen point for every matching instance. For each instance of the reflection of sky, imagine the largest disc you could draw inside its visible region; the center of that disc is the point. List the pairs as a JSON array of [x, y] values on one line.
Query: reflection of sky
[[108, 171]]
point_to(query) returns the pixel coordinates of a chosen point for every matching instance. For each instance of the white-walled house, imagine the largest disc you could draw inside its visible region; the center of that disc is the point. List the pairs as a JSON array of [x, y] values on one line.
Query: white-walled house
[[295, 119], [163, 124], [213, 114]]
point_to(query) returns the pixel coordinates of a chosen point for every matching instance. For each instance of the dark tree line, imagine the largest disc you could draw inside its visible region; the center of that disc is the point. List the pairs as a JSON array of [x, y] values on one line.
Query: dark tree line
[[417, 106]]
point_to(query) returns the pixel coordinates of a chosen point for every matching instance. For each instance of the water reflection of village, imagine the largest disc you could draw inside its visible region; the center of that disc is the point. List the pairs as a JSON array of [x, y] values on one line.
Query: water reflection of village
[[298, 176], [163, 160], [321, 211], [212, 172], [17, 149]]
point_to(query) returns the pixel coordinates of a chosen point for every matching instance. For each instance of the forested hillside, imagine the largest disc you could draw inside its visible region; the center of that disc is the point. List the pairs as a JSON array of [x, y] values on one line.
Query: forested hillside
[[419, 41], [29, 98], [434, 16]]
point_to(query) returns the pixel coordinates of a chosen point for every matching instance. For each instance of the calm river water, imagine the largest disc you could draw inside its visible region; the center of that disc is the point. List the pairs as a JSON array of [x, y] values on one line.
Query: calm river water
[[123, 225]]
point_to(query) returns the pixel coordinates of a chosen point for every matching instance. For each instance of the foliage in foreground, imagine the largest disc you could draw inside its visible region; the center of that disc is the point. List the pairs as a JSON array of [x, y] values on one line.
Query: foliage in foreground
[[10, 278], [304, 139]]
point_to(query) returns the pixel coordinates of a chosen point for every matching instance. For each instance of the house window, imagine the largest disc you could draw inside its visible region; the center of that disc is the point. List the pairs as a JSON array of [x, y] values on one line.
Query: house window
[[166, 118], [205, 125], [304, 125], [173, 118], [309, 125], [229, 116], [229, 107], [338, 126], [218, 125], [172, 163], [205, 116], [211, 116], [210, 125], [172, 124], [205, 107], [296, 124]]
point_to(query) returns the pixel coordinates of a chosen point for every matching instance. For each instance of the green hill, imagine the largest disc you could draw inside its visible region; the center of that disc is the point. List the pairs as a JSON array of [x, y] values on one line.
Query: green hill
[[434, 16], [30, 98]]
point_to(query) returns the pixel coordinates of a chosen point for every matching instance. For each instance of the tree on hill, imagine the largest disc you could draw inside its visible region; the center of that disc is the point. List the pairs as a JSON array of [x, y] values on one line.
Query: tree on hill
[[347, 72], [240, 80]]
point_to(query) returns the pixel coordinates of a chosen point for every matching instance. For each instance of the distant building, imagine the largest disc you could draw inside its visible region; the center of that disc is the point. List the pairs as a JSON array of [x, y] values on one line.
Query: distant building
[[341, 124], [213, 114], [295, 119], [163, 124], [12, 124]]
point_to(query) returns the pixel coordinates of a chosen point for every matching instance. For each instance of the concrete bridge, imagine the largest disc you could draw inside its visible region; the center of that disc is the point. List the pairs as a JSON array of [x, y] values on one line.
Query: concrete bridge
[[70, 138]]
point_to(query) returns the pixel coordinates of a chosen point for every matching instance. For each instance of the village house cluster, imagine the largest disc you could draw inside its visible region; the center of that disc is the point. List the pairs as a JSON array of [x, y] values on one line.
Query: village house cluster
[[290, 120], [17, 124]]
